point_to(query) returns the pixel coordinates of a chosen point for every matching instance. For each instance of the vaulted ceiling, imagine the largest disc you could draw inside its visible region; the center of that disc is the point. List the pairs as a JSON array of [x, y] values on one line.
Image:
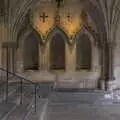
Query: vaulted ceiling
[[103, 16]]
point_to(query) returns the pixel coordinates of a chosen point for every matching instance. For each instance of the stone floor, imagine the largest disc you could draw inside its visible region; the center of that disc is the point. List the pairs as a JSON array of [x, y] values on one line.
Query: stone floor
[[81, 105], [58, 106], [77, 111]]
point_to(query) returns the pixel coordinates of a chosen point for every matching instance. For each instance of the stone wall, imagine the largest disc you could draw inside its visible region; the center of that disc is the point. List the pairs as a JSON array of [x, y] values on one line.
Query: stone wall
[[98, 15]]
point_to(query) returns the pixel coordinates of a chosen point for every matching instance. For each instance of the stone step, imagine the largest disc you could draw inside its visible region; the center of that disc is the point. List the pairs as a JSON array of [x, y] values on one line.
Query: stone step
[[76, 111], [14, 111], [95, 97], [11, 90], [41, 111], [88, 90], [20, 111], [5, 108]]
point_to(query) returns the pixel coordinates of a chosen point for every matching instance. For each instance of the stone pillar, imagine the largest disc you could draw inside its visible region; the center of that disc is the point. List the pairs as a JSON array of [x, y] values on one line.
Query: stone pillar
[[42, 58], [20, 60], [8, 63], [102, 77], [70, 57], [1, 55], [4, 58], [110, 80], [14, 59], [11, 59]]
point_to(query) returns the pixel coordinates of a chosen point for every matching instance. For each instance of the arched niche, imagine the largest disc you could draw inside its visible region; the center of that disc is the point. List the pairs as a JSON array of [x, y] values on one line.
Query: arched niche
[[31, 52], [83, 53], [57, 49], [28, 57], [86, 41], [57, 52]]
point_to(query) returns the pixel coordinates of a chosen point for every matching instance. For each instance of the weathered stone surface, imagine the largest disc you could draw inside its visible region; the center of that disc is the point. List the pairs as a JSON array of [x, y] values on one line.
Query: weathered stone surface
[[65, 105]]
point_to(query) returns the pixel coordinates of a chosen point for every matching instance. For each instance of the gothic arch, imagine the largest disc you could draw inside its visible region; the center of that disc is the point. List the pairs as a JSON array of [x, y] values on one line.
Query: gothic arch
[[25, 31], [57, 41], [21, 48], [31, 52], [22, 10], [95, 51], [89, 32], [55, 31], [84, 52]]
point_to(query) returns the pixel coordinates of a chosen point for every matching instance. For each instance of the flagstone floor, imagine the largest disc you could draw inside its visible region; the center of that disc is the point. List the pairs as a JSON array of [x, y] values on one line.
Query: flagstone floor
[[60, 106]]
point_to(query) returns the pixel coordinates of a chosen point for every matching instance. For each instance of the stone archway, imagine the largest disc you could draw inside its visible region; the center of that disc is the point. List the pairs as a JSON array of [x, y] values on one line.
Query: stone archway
[[57, 52], [31, 52], [84, 51]]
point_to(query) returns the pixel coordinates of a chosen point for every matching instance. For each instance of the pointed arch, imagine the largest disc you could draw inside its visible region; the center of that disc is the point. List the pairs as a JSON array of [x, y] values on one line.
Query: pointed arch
[[55, 31], [31, 52], [25, 31], [57, 40], [29, 45], [91, 41], [84, 52]]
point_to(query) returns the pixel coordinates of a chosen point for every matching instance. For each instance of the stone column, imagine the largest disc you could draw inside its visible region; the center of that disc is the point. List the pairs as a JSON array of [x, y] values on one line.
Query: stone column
[[1, 55], [8, 63], [14, 59], [4, 58], [110, 80], [102, 77], [42, 58], [11, 59], [70, 57], [20, 60]]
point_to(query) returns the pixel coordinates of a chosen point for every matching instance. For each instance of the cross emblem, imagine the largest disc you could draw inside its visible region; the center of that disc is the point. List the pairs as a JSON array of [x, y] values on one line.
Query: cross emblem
[[43, 16], [59, 3]]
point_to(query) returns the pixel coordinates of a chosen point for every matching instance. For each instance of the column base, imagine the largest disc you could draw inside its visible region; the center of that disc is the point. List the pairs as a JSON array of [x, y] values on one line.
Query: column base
[[110, 85], [19, 67], [1, 55], [102, 84]]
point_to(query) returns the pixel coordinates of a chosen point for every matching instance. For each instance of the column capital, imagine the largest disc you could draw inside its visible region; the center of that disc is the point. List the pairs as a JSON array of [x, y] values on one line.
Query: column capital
[[111, 44], [1, 54], [111, 85], [110, 78]]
